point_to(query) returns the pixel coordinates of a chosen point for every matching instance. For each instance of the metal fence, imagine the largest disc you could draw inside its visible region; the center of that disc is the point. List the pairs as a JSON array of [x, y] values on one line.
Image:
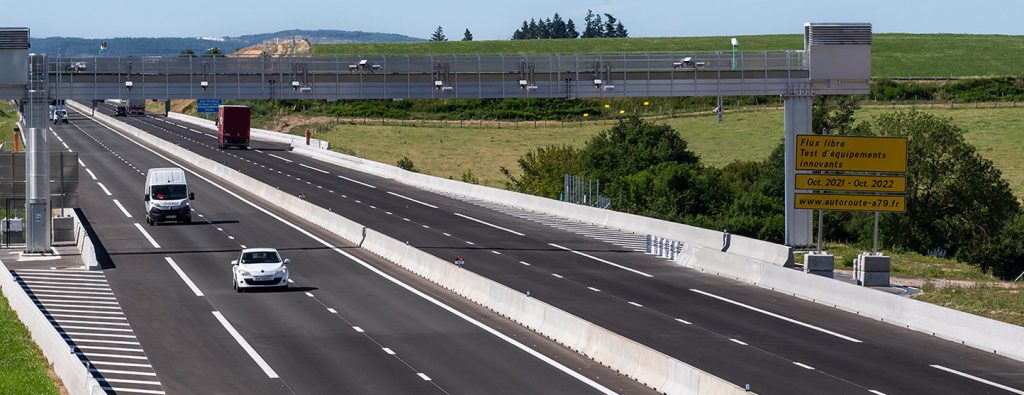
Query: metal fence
[[581, 190]]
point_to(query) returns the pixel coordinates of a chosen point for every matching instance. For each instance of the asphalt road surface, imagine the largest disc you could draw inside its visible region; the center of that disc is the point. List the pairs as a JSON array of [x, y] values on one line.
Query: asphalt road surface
[[777, 344]]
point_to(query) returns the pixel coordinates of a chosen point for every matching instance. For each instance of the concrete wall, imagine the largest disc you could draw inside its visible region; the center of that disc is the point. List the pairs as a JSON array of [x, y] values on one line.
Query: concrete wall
[[71, 371], [84, 244], [633, 359]]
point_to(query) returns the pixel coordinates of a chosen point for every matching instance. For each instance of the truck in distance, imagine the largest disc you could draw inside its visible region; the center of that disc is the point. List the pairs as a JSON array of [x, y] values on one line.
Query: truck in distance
[[233, 126], [136, 107]]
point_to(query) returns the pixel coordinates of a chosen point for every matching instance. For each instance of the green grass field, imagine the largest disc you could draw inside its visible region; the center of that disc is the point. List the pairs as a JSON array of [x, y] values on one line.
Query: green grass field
[[893, 55], [746, 135], [8, 117], [22, 367], [984, 299]]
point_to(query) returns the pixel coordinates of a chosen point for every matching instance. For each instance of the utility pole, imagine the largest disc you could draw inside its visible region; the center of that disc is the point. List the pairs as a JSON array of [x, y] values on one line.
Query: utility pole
[[37, 161]]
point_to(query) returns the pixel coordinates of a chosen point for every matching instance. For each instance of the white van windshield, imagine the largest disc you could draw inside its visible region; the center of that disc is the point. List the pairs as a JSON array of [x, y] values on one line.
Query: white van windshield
[[168, 192]]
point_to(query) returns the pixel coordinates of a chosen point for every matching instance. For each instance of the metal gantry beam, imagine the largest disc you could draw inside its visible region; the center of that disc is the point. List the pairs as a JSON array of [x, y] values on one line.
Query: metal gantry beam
[[835, 60]]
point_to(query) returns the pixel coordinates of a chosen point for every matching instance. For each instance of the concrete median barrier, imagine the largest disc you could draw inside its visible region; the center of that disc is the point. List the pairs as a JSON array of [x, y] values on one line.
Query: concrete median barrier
[[72, 372], [639, 362]]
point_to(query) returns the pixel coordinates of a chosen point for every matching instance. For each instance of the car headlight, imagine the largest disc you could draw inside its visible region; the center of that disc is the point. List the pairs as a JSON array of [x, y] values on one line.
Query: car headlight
[[283, 272], [244, 273]]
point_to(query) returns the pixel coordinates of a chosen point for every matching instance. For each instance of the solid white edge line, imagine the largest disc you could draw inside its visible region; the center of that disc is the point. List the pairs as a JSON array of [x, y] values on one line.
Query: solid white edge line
[[978, 379], [781, 317], [357, 182], [123, 210], [91, 174], [489, 224], [104, 188], [245, 345], [442, 305], [411, 199], [148, 237], [278, 157], [314, 169], [601, 260], [184, 278]]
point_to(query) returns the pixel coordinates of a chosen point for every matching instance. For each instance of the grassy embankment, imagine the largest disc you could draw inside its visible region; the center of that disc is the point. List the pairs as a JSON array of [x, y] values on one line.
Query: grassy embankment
[[23, 370], [8, 117]]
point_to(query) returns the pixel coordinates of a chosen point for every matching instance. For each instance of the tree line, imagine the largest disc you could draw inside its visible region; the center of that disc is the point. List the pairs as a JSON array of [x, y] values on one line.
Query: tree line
[[556, 27], [956, 199]]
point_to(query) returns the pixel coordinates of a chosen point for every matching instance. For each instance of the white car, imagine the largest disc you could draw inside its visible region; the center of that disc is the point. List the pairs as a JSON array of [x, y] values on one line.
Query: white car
[[259, 268]]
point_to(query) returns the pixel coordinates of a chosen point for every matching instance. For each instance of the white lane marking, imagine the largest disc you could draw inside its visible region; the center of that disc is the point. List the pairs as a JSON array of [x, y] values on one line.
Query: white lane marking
[[124, 349], [423, 376], [184, 278], [978, 379], [137, 365], [876, 392], [123, 342], [123, 210], [70, 284], [90, 322], [525, 263], [65, 145], [489, 224], [129, 372], [92, 328], [245, 345], [738, 342], [428, 298], [130, 390], [127, 381], [411, 199], [111, 355], [495, 252], [59, 296], [104, 188], [358, 329], [80, 163], [332, 311], [64, 272], [77, 306], [309, 294], [446, 234], [388, 350], [594, 289], [64, 290], [314, 169], [64, 279], [600, 260], [636, 304], [258, 151], [357, 182], [148, 237], [78, 334], [89, 317], [808, 367], [470, 242], [91, 174], [684, 321], [556, 275], [781, 317], [278, 157]]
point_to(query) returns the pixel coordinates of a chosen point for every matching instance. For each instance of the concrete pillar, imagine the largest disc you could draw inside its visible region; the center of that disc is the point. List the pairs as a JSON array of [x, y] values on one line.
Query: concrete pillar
[[798, 104]]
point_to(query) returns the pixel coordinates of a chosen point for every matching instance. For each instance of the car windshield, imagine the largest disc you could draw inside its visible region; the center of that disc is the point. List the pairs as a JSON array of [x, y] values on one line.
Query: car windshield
[[260, 257], [169, 192]]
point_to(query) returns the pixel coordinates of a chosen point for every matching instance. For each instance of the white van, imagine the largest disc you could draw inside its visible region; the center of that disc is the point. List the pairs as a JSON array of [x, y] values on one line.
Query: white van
[[167, 196]]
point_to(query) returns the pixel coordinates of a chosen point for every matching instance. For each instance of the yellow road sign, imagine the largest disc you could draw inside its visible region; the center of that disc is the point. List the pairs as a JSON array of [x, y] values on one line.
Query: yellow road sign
[[852, 183], [820, 201], [851, 153]]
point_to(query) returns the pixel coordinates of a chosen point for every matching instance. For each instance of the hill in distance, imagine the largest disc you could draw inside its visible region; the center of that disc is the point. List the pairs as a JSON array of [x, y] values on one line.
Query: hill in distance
[[120, 46]]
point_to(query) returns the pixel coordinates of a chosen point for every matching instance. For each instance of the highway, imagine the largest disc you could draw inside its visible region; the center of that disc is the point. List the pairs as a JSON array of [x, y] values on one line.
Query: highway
[[350, 322], [777, 344]]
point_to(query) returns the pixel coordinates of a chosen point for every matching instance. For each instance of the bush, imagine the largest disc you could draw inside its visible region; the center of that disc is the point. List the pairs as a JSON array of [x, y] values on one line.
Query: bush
[[406, 164]]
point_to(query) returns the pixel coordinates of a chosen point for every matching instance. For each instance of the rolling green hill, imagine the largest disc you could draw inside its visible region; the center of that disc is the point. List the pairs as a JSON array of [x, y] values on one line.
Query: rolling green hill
[[894, 55]]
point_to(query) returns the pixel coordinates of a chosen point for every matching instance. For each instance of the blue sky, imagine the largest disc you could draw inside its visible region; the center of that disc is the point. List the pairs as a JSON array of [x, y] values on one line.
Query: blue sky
[[497, 19]]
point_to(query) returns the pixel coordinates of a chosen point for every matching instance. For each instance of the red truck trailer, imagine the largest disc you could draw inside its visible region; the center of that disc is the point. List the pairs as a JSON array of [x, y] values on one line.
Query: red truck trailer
[[233, 126]]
